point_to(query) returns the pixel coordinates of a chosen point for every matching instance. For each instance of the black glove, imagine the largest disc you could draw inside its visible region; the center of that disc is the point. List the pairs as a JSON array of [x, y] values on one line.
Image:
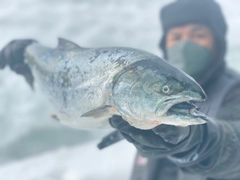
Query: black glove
[[159, 141], [13, 56], [181, 144]]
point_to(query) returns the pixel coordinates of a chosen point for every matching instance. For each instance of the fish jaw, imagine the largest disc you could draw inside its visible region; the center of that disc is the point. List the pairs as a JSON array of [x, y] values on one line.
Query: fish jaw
[[185, 120], [185, 96], [184, 115]]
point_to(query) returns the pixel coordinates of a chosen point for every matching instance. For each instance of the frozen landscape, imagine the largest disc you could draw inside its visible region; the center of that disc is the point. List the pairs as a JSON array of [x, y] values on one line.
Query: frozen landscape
[[33, 146]]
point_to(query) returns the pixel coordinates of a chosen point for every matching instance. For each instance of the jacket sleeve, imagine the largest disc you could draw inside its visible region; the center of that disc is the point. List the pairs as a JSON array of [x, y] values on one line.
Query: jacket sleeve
[[217, 153]]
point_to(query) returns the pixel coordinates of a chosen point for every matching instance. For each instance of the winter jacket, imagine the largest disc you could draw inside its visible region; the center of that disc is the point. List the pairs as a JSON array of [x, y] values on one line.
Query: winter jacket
[[223, 163]]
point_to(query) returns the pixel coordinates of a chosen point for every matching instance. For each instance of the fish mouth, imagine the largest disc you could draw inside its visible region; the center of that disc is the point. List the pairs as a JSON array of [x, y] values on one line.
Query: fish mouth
[[186, 108], [177, 103], [183, 104]]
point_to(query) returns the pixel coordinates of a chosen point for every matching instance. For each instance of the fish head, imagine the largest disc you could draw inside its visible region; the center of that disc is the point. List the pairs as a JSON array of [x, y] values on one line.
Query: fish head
[[148, 89]]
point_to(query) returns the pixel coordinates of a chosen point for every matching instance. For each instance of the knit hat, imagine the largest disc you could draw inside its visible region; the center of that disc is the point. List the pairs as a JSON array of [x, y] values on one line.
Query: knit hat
[[207, 12]]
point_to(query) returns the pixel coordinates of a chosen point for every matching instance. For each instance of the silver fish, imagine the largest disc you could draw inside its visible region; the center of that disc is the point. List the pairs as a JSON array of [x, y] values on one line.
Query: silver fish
[[88, 86]]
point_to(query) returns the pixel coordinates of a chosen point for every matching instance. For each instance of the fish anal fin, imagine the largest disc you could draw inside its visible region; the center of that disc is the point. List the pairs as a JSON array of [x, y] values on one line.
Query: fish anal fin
[[65, 44], [104, 111]]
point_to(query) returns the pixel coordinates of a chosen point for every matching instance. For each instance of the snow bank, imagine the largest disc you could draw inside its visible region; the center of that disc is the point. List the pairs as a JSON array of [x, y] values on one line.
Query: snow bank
[[77, 163]]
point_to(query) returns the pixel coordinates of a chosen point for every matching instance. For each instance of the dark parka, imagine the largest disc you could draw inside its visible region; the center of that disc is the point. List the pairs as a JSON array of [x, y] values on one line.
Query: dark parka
[[216, 157], [222, 159]]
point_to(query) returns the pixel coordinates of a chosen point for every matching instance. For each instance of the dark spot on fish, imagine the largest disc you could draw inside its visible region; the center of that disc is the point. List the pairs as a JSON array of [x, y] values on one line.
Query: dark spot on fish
[[110, 54], [121, 57], [97, 54], [64, 95], [54, 116], [95, 57], [92, 59], [90, 96], [117, 51]]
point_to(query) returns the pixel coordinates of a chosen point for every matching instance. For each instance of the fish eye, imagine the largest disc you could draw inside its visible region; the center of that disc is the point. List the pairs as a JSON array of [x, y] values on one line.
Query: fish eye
[[166, 89]]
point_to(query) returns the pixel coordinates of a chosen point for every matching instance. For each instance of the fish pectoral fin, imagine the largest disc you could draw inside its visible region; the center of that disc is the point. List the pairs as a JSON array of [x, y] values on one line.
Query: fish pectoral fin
[[64, 44], [106, 111]]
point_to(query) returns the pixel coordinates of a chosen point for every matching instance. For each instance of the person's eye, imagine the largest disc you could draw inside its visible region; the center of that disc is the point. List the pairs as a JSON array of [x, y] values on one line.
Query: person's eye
[[200, 35], [176, 37]]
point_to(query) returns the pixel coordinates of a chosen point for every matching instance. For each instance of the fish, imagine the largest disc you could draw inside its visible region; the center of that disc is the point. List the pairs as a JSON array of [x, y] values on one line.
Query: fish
[[87, 86]]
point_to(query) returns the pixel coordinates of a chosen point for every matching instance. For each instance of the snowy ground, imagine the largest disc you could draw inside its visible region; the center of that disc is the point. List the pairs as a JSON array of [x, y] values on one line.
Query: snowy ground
[[29, 137], [76, 163]]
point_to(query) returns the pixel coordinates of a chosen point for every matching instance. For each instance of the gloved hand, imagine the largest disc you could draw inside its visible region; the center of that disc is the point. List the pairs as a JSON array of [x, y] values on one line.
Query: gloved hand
[[13, 56], [181, 144], [157, 141]]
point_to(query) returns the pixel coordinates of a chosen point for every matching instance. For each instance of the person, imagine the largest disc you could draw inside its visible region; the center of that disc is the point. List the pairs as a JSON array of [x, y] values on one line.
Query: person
[[193, 40], [194, 33]]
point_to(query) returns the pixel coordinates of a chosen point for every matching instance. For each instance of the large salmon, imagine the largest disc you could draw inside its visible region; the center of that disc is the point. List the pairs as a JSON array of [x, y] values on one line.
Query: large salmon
[[89, 85]]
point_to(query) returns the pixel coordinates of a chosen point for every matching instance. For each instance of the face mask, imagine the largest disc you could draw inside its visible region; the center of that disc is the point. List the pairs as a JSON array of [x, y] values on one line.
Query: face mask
[[190, 57]]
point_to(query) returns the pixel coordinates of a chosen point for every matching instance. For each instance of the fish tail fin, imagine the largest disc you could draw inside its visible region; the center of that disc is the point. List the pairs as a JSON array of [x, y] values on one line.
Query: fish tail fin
[[12, 55]]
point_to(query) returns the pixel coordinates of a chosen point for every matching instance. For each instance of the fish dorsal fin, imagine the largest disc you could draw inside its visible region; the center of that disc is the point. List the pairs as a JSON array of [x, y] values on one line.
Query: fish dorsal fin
[[64, 44]]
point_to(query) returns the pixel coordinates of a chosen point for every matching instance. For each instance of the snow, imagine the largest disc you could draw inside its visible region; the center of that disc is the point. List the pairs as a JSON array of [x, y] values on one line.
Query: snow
[[76, 163]]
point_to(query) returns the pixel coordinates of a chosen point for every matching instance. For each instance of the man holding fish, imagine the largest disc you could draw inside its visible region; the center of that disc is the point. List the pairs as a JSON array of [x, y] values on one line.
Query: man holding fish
[[194, 41], [151, 103]]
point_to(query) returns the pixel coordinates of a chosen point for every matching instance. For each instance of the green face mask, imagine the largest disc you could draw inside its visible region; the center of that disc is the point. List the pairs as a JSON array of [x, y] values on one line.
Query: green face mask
[[190, 57]]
